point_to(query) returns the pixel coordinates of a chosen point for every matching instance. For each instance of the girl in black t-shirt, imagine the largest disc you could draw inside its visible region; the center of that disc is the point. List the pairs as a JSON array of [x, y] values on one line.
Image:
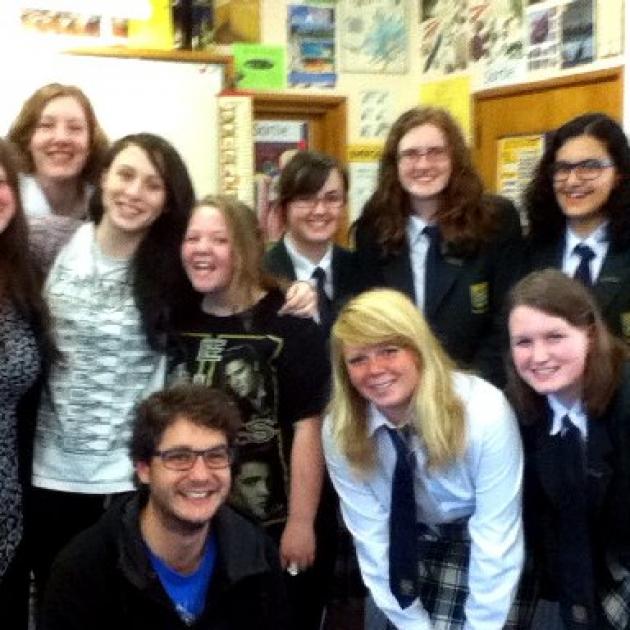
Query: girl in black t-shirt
[[231, 336]]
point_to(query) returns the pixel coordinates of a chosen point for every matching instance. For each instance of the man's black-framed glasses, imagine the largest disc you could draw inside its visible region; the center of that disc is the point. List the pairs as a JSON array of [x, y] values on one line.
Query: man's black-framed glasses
[[182, 458], [585, 170]]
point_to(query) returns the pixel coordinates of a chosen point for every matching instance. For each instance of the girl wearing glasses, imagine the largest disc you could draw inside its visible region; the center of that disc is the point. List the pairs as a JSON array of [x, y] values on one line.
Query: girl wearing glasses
[[569, 382], [232, 337], [429, 231], [577, 207]]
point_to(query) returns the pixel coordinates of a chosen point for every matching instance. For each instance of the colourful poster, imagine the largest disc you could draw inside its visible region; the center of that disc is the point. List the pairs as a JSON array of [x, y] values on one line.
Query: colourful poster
[[453, 94], [517, 158], [258, 66], [374, 36], [311, 44]]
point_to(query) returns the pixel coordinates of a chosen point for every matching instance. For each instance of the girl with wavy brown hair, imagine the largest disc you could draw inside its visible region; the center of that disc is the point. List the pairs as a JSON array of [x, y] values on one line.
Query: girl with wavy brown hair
[[429, 231], [569, 382]]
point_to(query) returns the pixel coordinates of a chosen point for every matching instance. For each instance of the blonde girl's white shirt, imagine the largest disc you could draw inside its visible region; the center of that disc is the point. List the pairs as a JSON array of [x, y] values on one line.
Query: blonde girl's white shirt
[[483, 486], [84, 420]]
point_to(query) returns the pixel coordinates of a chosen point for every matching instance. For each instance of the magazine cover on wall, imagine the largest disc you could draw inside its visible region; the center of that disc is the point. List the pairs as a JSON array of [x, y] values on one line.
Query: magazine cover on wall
[[311, 46], [444, 36], [374, 36], [496, 40], [543, 38], [275, 143], [578, 44]]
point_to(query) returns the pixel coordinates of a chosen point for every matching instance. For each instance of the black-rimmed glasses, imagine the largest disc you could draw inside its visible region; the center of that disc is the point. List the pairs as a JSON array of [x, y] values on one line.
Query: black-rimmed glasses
[[585, 169], [330, 201], [184, 458]]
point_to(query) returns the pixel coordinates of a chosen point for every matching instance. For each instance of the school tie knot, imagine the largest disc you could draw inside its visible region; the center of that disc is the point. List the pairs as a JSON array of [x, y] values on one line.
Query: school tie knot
[[583, 271]]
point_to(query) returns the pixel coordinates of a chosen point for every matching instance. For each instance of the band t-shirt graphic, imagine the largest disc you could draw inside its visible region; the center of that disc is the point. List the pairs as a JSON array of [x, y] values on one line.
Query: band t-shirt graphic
[[277, 371]]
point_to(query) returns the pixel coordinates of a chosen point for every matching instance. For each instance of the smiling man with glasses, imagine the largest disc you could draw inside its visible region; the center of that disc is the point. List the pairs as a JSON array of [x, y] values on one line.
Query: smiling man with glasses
[[172, 556]]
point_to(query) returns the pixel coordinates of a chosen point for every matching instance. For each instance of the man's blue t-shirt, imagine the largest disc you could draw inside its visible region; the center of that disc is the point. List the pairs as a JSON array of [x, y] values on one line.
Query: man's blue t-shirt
[[188, 592]]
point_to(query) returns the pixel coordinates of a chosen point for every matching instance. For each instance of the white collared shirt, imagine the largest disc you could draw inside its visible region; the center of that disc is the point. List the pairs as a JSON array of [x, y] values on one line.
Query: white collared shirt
[[418, 249], [597, 240], [484, 486], [576, 414], [304, 268]]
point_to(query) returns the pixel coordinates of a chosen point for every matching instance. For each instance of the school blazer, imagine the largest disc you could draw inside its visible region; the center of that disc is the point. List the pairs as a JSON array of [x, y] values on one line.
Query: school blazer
[[608, 487], [345, 277], [611, 289], [467, 314]]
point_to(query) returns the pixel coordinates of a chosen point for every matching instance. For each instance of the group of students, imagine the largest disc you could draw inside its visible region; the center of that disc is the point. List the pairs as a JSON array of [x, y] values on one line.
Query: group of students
[[115, 282]]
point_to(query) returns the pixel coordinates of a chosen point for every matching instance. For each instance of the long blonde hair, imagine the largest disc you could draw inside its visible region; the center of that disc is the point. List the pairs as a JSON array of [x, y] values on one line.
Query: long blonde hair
[[387, 316]]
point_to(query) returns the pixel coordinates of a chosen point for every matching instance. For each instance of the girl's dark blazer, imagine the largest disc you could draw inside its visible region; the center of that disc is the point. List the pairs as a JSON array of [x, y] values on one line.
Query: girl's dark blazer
[[467, 313], [345, 276], [608, 485], [611, 289]]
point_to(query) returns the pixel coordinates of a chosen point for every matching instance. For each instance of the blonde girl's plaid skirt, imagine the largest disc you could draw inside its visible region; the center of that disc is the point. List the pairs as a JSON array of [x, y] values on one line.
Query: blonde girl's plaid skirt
[[444, 556]]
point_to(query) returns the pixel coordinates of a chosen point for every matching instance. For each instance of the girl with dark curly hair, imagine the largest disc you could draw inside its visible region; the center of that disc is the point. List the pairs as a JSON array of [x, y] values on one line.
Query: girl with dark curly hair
[[577, 206], [429, 231]]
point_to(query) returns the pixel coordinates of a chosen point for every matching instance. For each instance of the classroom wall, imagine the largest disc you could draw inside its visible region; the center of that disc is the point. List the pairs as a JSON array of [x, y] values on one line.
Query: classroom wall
[[406, 87]]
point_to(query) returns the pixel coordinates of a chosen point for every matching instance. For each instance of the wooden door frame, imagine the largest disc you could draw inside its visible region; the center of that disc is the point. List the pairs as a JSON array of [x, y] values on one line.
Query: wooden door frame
[[331, 109]]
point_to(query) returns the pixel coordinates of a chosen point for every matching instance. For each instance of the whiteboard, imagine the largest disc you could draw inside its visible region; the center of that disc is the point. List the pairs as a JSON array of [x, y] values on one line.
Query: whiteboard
[[173, 99]]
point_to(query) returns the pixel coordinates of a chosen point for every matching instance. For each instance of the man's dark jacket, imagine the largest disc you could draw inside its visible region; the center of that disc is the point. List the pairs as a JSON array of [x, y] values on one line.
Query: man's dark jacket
[[104, 580]]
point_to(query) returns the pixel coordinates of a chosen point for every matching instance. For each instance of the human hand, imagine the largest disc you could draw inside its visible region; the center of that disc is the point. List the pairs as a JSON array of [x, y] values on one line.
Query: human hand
[[300, 300]]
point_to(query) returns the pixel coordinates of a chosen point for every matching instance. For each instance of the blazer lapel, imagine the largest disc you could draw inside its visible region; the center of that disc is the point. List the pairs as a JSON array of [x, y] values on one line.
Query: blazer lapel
[[612, 277], [397, 272], [280, 260], [446, 272], [599, 472]]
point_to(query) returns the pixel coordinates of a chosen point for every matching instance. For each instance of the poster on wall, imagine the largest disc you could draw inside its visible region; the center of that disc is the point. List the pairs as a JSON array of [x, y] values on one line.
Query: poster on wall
[[543, 38], [452, 94], [444, 36], [311, 45], [517, 158], [363, 161], [609, 28], [376, 109], [373, 36], [496, 40], [259, 66], [236, 153], [578, 45], [275, 143]]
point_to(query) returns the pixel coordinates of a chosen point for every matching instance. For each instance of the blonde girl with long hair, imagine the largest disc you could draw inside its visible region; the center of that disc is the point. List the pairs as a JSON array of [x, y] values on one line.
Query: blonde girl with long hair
[[393, 384]]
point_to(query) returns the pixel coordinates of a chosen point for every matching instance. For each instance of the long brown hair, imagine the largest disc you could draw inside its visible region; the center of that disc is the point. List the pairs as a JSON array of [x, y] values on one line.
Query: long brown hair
[[465, 219], [20, 279], [24, 126], [555, 294]]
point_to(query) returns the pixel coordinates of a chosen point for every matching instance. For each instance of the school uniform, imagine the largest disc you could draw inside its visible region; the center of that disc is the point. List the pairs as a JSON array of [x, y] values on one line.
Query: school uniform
[[338, 263], [468, 514], [611, 275], [578, 526], [465, 310]]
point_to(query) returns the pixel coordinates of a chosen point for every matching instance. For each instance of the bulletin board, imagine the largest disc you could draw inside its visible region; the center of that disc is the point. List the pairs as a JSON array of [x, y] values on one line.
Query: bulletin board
[[171, 98]]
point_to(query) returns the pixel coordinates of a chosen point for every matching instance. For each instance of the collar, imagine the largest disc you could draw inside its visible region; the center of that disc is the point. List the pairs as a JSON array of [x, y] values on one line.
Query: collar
[[595, 240], [302, 265], [577, 416], [240, 546], [376, 420], [415, 228]]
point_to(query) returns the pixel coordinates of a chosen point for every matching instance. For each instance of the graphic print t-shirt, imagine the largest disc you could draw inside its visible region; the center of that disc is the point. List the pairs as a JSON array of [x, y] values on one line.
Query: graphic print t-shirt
[[277, 370]]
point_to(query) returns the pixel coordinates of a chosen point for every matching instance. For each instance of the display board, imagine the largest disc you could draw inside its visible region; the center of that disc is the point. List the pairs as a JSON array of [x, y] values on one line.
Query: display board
[[171, 98]]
